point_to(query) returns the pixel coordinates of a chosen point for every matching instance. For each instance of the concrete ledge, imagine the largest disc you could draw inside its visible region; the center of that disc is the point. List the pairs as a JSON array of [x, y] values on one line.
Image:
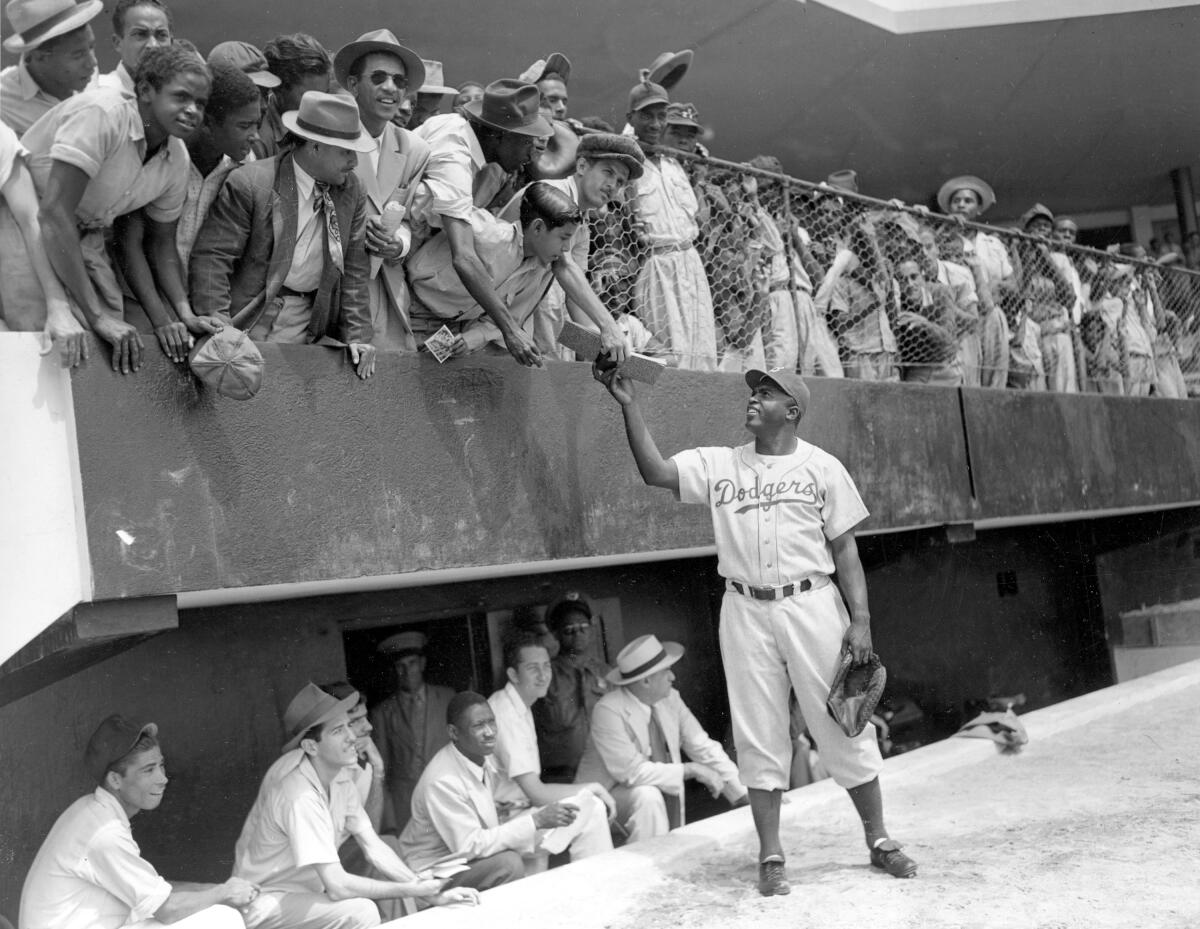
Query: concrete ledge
[[612, 889]]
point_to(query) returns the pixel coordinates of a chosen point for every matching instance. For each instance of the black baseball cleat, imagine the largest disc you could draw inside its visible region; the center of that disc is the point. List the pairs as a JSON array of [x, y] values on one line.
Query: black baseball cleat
[[887, 855], [772, 877]]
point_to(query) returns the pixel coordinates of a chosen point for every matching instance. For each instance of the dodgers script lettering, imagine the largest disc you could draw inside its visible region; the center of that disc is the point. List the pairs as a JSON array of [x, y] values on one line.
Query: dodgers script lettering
[[772, 493]]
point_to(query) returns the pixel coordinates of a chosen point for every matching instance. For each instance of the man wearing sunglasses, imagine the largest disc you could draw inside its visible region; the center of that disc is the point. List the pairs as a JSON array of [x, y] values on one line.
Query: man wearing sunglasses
[[378, 71]]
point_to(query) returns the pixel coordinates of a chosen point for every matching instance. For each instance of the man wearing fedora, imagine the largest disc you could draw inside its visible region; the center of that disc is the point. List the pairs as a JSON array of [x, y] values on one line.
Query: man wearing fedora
[[89, 872], [427, 101], [307, 806], [377, 71], [102, 155], [282, 253], [784, 514], [671, 294], [454, 810], [471, 159], [57, 49], [639, 733], [410, 725]]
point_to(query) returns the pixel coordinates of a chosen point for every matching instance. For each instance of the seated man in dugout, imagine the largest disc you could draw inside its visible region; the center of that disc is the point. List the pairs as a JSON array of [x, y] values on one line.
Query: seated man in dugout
[[307, 806], [454, 811], [639, 734], [521, 260], [104, 154], [89, 872], [308, 283], [136, 26], [519, 785]]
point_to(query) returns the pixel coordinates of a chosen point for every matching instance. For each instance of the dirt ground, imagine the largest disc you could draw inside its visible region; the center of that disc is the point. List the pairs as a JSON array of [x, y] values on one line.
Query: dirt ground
[[1097, 828]]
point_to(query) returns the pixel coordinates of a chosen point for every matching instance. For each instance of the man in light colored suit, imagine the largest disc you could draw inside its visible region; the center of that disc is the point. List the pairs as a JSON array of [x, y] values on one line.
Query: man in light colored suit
[[377, 71], [454, 808], [282, 252], [638, 735], [409, 726]]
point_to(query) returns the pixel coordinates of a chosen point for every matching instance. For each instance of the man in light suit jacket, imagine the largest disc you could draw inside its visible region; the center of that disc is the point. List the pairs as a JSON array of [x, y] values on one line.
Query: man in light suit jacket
[[454, 809], [410, 725], [638, 735], [377, 71], [282, 252]]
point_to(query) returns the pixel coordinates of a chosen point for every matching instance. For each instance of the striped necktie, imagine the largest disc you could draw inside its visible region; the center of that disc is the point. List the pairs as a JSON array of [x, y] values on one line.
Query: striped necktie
[[323, 203]]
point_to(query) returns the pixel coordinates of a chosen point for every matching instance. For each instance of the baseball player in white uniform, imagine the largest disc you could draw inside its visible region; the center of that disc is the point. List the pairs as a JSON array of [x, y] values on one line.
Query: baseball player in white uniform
[[784, 514]]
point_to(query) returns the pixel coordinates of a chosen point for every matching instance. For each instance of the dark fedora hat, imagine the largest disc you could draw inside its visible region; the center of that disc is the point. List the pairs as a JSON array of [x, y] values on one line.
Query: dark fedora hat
[[510, 106]]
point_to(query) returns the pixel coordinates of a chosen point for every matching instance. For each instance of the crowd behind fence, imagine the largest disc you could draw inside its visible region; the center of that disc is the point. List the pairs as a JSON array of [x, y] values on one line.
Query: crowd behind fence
[[820, 279]]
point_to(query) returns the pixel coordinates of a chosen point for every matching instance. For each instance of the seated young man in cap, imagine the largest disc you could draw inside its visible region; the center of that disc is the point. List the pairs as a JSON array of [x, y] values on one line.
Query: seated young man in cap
[[222, 142], [563, 715], [102, 155], [409, 726], [309, 285], [496, 135], [57, 49], [671, 295], [377, 70], [136, 26], [89, 872], [38, 291], [784, 626], [521, 260], [519, 783], [301, 64], [639, 733], [454, 812], [307, 806]]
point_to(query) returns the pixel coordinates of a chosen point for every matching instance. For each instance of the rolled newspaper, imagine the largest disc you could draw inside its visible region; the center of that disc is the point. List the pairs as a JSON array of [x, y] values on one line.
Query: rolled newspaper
[[393, 216]]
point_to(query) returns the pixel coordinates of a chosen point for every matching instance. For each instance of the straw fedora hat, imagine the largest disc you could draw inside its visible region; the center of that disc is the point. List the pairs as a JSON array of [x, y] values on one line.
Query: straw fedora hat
[[987, 196], [378, 40], [642, 657], [35, 22], [435, 80], [329, 118]]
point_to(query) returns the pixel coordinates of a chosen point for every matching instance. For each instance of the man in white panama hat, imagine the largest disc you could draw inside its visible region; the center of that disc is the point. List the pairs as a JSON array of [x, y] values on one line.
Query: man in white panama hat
[[639, 734], [309, 284], [57, 49]]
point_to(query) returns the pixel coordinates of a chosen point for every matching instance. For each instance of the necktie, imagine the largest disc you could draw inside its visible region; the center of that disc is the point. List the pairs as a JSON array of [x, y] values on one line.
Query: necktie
[[660, 752], [323, 203]]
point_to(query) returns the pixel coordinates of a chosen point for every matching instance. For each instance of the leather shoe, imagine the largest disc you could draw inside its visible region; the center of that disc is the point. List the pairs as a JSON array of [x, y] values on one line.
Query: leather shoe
[[887, 855], [772, 877]]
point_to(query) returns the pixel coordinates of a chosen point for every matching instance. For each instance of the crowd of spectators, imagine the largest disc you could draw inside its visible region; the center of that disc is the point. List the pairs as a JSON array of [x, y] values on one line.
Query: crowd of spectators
[[358, 200]]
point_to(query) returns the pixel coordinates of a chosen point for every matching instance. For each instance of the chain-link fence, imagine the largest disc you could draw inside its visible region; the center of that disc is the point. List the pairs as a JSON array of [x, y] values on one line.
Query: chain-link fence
[[715, 265]]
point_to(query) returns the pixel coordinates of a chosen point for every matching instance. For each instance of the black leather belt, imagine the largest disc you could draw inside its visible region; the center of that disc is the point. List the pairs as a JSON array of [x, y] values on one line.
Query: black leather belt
[[771, 593]]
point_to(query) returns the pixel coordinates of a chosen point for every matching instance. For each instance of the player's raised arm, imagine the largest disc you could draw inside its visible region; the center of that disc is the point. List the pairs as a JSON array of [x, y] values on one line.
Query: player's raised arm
[[655, 470]]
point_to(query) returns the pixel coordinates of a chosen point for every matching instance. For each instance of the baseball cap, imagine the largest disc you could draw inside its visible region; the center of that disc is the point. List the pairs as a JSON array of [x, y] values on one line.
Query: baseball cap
[[646, 94], [789, 382], [683, 114], [570, 602], [403, 643], [113, 739], [229, 363]]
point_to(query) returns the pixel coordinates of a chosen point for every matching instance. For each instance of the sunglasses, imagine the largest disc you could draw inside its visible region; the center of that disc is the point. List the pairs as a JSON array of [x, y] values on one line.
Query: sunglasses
[[380, 77]]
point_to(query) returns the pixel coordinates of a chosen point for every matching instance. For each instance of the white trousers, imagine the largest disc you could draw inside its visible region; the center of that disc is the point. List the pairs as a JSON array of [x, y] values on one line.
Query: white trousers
[[280, 910], [215, 917], [770, 647], [587, 835], [642, 811]]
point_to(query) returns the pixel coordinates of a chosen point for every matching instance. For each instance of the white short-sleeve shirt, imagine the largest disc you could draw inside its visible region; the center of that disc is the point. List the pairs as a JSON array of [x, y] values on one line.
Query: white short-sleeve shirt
[[293, 825], [89, 873], [773, 515], [516, 745]]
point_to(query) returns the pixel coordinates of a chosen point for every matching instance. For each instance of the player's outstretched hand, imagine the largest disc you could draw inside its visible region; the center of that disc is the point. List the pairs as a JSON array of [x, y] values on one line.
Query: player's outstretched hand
[[620, 387]]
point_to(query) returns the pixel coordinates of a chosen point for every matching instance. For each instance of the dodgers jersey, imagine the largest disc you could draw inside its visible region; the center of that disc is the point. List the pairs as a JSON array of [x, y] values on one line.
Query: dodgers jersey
[[773, 515]]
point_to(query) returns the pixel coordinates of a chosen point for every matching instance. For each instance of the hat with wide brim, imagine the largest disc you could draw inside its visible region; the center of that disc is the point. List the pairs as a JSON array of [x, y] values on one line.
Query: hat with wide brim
[[378, 40], [668, 69], [855, 693], [642, 657], [511, 106], [246, 58], [987, 196], [35, 22], [311, 707], [555, 64], [435, 79], [331, 119]]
